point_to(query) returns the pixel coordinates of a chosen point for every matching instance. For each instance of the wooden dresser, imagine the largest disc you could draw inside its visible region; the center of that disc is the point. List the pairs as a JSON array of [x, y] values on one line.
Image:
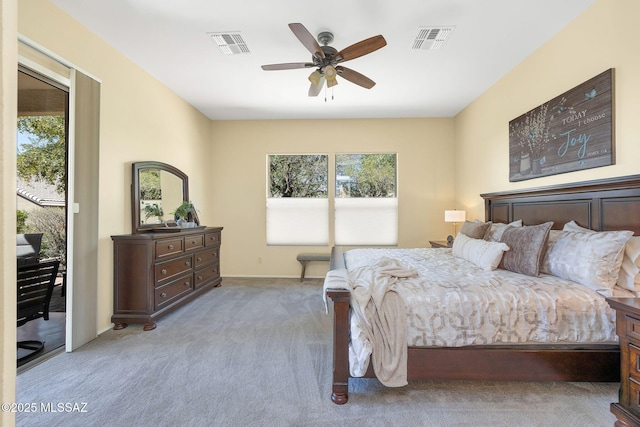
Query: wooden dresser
[[627, 410], [155, 273]]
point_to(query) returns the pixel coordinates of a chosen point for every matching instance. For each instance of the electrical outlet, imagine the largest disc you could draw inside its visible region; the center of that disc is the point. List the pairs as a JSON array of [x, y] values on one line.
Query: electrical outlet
[[259, 260]]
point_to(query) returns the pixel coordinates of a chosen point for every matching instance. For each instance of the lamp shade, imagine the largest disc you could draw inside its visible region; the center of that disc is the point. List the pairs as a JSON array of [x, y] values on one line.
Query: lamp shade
[[315, 77], [455, 216]]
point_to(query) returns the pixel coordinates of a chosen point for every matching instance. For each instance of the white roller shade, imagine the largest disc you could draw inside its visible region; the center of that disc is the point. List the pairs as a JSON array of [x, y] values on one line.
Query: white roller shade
[[366, 221], [297, 221]]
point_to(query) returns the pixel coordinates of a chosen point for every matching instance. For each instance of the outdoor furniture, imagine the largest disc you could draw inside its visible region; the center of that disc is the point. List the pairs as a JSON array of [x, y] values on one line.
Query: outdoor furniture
[[35, 286], [28, 248]]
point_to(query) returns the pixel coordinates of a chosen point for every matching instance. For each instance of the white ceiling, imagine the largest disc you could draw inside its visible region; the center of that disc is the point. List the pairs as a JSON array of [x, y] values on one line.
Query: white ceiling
[[169, 39]]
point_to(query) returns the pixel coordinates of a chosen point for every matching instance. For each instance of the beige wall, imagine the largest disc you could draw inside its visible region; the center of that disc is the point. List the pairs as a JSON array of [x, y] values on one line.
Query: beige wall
[[426, 163], [605, 36]]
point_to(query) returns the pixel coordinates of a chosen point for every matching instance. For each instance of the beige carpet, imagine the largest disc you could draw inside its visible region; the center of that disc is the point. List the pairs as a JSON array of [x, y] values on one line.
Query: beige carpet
[[257, 352]]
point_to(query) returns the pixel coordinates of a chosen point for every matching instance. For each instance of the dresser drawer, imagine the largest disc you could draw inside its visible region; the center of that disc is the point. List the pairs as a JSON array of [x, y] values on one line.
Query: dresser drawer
[[172, 290], [169, 247], [206, 274], [168, 270], [212, 239], [206, 257], [632, 327], [634, 362], [194, 242]]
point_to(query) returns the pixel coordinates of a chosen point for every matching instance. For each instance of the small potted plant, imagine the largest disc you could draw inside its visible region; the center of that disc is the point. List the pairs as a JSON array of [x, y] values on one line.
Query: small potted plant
[[153, 210], [184, 214]]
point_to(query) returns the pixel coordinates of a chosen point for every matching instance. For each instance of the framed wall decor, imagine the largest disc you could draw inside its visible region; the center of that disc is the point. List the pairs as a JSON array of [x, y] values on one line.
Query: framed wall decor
[[572, 132]]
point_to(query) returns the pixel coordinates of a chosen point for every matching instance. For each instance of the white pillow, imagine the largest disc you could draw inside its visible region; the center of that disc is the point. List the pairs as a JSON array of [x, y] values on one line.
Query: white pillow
[[572, 226], [590, 258], [486, 255], [494, 233], [628, 277], [632, 250]]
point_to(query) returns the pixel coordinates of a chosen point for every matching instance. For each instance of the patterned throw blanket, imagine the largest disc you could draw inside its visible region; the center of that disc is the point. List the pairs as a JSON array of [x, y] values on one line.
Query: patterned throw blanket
[[381, 326]]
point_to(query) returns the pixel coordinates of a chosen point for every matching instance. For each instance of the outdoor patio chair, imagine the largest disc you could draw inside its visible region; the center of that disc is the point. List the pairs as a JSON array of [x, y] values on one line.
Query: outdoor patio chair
[[35, 287]]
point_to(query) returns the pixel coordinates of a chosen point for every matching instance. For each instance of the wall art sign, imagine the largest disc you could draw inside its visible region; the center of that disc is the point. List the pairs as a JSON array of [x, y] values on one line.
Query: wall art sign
[[572, 132]]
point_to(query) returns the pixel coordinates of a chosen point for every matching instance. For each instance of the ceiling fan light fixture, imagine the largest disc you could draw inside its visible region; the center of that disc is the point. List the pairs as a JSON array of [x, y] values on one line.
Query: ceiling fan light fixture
[[330, 74], [315, 77], [325, 59]]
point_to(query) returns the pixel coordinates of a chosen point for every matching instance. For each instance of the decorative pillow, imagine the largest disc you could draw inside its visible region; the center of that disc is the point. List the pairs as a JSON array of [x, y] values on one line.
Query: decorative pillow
[[632, 250], [590, 258], [527, 246], [475, 230], [573, 226], [628, 277], [486, 255], [494, 233]]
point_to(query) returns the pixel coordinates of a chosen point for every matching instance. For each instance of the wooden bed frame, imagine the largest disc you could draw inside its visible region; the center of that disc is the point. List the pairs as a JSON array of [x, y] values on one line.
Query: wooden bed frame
[[607, 204]]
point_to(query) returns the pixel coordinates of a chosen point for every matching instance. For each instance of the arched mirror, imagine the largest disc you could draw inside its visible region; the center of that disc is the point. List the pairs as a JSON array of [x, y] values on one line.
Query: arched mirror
[[157, 190]]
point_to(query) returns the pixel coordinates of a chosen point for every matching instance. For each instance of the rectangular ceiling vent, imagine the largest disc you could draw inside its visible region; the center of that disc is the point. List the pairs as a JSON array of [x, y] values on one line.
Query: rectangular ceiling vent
[[230, 43], [431, 38]]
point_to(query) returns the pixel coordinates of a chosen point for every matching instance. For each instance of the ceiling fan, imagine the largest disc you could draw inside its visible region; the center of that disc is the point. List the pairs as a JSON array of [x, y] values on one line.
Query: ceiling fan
[[326, 59]]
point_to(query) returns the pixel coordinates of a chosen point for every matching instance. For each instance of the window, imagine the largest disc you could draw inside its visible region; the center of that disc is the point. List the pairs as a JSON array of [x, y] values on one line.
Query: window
[[297, 199], [366, 204]]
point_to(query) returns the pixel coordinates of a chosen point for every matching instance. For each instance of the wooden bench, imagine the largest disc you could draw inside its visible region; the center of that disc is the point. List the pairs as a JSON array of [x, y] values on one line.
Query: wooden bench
[[304, 258]]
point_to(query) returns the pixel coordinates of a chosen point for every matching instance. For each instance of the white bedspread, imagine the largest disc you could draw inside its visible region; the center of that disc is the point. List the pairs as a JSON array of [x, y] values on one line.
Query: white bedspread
[[454, 303]]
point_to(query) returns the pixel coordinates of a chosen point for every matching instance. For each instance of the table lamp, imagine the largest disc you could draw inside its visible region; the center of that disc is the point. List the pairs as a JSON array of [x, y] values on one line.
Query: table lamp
[[454, 216]]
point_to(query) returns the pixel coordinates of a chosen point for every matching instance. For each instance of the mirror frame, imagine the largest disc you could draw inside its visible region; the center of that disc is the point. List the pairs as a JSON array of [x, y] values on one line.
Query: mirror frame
[[135, 191]]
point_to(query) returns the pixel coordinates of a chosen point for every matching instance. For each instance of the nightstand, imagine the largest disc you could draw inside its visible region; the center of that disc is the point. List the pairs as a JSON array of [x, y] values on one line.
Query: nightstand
[[440, 244], [628, 329]]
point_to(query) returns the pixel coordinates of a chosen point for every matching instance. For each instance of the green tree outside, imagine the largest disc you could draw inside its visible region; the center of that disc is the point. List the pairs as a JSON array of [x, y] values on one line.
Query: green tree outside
[[298, 175], [21, 219], [43, 158], [366, 175], [51, 222]]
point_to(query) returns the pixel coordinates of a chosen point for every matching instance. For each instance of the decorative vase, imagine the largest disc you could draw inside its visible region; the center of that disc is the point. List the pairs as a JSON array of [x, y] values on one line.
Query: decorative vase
[[525, 164], [537, 167]]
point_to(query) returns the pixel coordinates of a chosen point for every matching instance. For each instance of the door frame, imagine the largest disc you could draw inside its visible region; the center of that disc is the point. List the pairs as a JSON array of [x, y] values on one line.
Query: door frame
[[81, 323]]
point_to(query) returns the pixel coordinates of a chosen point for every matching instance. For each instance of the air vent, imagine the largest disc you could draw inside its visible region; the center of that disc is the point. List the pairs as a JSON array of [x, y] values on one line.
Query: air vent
[[230, 43], [432, 38]]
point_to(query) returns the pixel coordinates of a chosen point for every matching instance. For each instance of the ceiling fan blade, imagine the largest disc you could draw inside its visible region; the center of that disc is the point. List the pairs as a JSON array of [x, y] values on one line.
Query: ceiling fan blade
[[355, 77], [287, 66], [314, 90], [361, 48], [306, 39]]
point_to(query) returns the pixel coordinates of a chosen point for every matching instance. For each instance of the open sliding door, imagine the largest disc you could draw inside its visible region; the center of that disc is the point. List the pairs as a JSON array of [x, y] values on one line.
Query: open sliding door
[[82, 188], [82, 298]]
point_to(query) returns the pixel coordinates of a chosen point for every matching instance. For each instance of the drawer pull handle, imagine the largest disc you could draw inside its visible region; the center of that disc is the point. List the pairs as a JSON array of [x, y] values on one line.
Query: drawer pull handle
[[164, 271], [163, 295], [170, 247], [199, 277], [199, 258], [193, 242], [187, 263], [187, 284]]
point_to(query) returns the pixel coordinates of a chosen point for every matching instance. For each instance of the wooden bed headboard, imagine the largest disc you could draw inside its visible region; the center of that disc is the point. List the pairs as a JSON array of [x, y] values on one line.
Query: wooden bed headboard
[[602, 205]]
